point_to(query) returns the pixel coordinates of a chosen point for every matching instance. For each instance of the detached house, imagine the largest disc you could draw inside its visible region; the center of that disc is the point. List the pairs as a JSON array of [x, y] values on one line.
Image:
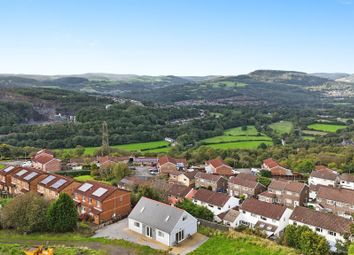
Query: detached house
[[167, 165], [346, 181], [26, 179], [276, 170], [214, 201], [5, 178], [102, 202], [245, 185], [323, 176], [51, 186], [269, 163], [337, 201], [210, 181], [166, 224], [330, 226], [288, 193], [271, 218], [219, 167], [45, 161]]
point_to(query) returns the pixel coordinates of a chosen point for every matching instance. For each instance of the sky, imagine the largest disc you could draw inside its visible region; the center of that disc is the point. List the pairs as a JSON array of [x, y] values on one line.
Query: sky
[[175, 37]]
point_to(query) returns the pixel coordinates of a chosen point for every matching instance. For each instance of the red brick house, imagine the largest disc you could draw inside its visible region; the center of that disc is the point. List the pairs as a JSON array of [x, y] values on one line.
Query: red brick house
[[218, 166], [45, 161], [102, 202], [167, 165], [245, 185], [210, 181], [51, 186], [5, 178]]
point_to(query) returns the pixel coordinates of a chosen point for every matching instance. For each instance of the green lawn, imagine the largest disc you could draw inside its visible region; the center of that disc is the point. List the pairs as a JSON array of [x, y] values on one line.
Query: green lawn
[[84, 178], [331, 128], [2, 166], [309, 138], [157, 146], [251, 130], [282, 127], [239, 145], [241, 244]]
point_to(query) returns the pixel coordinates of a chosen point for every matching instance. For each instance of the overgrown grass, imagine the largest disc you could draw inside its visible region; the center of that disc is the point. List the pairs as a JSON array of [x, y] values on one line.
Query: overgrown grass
[[17, 249], [330, 128], [76, 238], [282, 127], [228, 138], [237, 243], [239, 145], [313, 133], [251, 130]]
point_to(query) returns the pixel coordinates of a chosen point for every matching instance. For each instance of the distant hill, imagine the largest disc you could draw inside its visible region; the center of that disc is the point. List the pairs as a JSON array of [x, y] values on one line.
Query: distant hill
[[349, 78], [331, 76]]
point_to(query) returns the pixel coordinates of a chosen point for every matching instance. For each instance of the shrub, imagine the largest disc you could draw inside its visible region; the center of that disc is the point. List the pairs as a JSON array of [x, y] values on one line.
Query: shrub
[[62, 214], [25, 213], [196, 210]]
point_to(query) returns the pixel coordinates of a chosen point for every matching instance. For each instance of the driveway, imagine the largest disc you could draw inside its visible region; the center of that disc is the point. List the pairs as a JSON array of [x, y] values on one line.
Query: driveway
[[120, 230]]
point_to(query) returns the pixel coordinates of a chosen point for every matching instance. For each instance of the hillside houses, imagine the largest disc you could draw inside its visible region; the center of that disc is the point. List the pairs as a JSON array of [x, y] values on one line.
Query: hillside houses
[[323, 176], [183, 178], [25, 179], [276, 170], [167, 165], [52, 185]]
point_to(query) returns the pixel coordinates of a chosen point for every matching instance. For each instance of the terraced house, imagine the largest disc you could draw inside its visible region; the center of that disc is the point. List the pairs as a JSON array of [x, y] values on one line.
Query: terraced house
[[51, 186], [25, 179], [288, 193], [45, 161], [337, 201], [167, 165], [323, 176], [5, 179], [245, 185], [210, 181], [102, 202], [218, 166]]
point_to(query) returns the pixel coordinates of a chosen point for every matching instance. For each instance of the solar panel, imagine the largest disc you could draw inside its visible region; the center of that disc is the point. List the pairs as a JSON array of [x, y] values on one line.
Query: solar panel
[[30, 176], [48, 179], [8, 169], [22, 172], [85, 187], [58, 184], [99, 192]]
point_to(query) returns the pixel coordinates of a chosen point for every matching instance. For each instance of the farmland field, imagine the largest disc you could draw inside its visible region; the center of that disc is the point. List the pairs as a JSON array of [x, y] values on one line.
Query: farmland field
[[238, 138], [331, 128], [241, 245], [313, 133], [282, 127], [239, 145]]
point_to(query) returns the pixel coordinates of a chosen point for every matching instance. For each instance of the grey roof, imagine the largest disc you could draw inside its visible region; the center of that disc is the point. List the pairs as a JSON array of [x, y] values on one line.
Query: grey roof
[[156, 214]]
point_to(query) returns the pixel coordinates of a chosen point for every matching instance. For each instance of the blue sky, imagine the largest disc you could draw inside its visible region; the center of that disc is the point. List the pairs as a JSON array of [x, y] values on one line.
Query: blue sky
[[180, 37]]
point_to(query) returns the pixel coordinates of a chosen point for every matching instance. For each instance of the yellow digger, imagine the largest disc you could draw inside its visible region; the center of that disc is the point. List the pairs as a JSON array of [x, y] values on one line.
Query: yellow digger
[[39, 250]]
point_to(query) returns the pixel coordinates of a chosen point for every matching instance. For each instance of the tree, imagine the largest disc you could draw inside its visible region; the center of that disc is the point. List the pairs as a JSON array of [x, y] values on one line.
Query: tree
[[62, 214], [25, 213], [79, 151], [120, 170]]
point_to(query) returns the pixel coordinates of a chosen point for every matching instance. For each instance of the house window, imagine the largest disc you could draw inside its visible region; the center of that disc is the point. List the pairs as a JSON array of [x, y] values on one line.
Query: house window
[[160, 234], [137, 224], [332, 233], [83, 198], [90, 201], [98, 204], [318, 229]]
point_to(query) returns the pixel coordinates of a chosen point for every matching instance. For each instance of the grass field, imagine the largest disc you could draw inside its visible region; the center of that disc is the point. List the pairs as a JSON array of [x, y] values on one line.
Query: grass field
[[17, 249], [241, 244], [156, 147], [313, 133], [239, 145], [330, 128], [282, 127], [237, 138], [229, 84], [84, 178]]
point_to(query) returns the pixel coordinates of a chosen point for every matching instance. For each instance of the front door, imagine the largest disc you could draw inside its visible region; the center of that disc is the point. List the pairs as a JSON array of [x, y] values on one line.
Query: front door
[[148, 231]]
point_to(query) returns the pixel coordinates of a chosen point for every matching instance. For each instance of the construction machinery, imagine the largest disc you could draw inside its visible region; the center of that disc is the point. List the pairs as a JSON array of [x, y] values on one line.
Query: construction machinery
[[39, 250]]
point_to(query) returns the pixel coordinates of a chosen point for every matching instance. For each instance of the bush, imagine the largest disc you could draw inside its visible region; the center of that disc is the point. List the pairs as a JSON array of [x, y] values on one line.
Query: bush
[[25, 213], [196, 210], [62, 214], [74, 173]]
